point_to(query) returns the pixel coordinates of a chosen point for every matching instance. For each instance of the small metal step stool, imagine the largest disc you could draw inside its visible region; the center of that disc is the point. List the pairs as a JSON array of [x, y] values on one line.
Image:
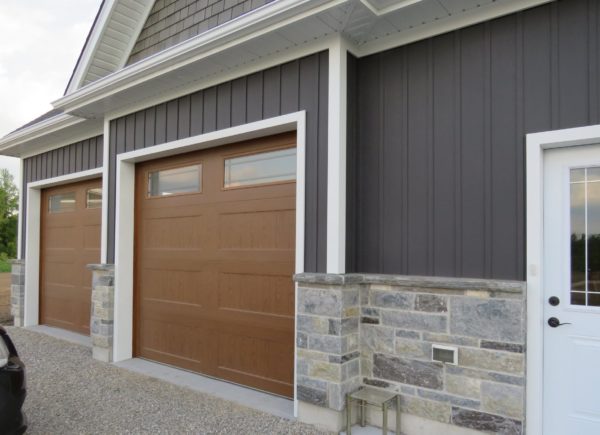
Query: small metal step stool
[[366, 396]]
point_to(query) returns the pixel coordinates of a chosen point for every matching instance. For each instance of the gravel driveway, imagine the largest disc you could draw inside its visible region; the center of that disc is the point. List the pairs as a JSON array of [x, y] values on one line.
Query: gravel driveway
[[69, 392]]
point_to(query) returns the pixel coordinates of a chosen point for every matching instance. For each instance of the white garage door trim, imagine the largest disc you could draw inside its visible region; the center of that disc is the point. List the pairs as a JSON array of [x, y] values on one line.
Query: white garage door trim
[[125, 222], [536, 144], [32, 241]]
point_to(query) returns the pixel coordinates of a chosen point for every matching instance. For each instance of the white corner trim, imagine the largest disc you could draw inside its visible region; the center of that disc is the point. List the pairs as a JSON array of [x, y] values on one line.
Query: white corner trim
[[32, 241], [125, 219], [20, 223], [386, 10], [336, 158], [105, 187], [536, 144]]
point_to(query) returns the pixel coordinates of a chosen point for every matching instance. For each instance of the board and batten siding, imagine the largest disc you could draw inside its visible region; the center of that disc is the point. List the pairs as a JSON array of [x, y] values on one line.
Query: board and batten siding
[[437, 152], [76, 157], [298, 85]]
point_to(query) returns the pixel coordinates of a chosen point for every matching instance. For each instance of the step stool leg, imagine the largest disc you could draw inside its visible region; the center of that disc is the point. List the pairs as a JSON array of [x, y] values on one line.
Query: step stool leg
[[398, 414], [348, 415], [363, 413], [384, 409]]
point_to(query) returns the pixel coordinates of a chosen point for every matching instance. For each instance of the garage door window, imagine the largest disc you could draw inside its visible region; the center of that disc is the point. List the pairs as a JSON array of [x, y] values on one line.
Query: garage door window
[[175, 181], [61, 203], [94, 198], [262, 168]]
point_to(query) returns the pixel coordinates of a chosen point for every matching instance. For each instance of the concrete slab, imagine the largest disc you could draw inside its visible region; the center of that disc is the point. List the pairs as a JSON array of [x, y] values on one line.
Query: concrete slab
[[259, 400], [63, 334]]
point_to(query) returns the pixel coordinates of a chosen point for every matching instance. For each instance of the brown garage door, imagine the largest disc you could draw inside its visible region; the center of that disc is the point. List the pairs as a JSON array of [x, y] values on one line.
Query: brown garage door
[[70, 240], [214, 258]]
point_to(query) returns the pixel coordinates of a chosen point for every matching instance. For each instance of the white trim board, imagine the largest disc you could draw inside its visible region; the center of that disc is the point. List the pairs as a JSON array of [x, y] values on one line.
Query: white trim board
[[536, 144], [32, 241], [125, 219]]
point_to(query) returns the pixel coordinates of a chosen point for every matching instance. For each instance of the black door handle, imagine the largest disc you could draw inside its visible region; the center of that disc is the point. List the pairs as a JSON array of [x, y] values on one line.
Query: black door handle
[[555, 323]]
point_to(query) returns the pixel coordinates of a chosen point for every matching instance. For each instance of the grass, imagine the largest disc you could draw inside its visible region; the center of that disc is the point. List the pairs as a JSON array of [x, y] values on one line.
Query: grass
[[4, 265]]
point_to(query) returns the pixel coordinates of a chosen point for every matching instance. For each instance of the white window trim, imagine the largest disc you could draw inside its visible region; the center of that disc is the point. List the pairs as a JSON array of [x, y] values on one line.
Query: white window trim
[[125, 222], [32, 241], [536, 144]]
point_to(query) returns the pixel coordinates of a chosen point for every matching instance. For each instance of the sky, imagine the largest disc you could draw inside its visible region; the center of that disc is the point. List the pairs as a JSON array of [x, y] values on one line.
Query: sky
[[41, 41]]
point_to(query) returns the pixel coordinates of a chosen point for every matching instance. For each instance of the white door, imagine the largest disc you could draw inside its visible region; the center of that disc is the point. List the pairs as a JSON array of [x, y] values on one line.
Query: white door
[[572, 291]]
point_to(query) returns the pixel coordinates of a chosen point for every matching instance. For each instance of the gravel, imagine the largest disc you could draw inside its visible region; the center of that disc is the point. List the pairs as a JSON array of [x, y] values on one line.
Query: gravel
[[70, 393]]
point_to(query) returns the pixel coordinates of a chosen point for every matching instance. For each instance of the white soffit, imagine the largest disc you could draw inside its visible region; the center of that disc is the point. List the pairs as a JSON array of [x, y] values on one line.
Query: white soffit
[[111, 40]]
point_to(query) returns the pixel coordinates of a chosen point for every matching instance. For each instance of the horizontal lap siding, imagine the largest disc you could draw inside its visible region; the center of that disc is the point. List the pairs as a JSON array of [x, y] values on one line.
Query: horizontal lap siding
[[436, 159], [294, 86], [80, 156]]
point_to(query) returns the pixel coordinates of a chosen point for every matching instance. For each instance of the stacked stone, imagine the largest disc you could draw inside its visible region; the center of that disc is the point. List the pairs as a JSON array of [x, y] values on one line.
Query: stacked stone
[[328, 363], [400, 320], [17, 291], [103, 301]]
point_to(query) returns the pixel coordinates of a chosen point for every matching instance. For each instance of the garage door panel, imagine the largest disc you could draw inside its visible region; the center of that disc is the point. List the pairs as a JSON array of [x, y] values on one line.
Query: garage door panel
[[61, 237], [91, 241], [175, 232], [70, 239], [257, 230], [258, 363], [256, 293], [183, 286], [161, 343], [216, 269]]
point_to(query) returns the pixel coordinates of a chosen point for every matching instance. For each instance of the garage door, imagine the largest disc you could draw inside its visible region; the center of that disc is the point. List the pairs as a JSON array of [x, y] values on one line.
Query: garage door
[[214, 259], [70, 240]]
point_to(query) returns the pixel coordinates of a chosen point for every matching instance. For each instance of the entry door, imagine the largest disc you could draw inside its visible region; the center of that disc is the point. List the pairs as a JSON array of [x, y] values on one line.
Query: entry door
[[70, 240], [572, 291]]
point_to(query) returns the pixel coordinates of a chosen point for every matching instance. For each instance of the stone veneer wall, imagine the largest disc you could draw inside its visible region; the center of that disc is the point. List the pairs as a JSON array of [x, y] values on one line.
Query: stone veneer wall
[[102, 320], [17, 291], [400, 319]]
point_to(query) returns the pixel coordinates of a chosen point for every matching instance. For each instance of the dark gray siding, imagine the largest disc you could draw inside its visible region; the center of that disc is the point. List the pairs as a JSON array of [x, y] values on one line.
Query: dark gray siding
[[173, 21], [294, 86], [79, 156], [437, 170]]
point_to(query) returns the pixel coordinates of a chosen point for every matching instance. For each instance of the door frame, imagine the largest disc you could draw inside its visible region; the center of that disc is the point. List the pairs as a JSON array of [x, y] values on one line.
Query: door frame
[[32, 241], [536, 144], [125, 212]]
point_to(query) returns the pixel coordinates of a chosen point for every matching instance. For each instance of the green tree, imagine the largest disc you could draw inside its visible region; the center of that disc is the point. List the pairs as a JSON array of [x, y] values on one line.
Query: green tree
[[9, 207]]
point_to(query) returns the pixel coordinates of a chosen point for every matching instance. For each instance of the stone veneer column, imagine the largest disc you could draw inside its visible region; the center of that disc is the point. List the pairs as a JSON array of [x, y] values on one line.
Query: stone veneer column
[[103, 301], [17, 291], [328, 358]]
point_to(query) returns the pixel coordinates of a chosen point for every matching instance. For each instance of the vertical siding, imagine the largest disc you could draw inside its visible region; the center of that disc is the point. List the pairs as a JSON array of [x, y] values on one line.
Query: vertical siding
[[79, 156], [436, 159], [298, 85]]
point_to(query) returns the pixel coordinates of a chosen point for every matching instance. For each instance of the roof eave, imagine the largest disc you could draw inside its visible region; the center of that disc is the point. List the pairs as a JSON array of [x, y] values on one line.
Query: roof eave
[[265, 17]]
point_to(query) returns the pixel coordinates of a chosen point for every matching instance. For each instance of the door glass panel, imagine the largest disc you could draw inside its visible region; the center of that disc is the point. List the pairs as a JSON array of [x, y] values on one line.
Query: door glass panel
[[62, 202], [269, 167], [187, 179], [585, 236], [93, 198]]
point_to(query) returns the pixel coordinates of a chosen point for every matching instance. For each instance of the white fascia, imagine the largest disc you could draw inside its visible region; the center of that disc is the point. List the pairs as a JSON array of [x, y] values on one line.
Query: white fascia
[[40, 129], [249, 26]]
